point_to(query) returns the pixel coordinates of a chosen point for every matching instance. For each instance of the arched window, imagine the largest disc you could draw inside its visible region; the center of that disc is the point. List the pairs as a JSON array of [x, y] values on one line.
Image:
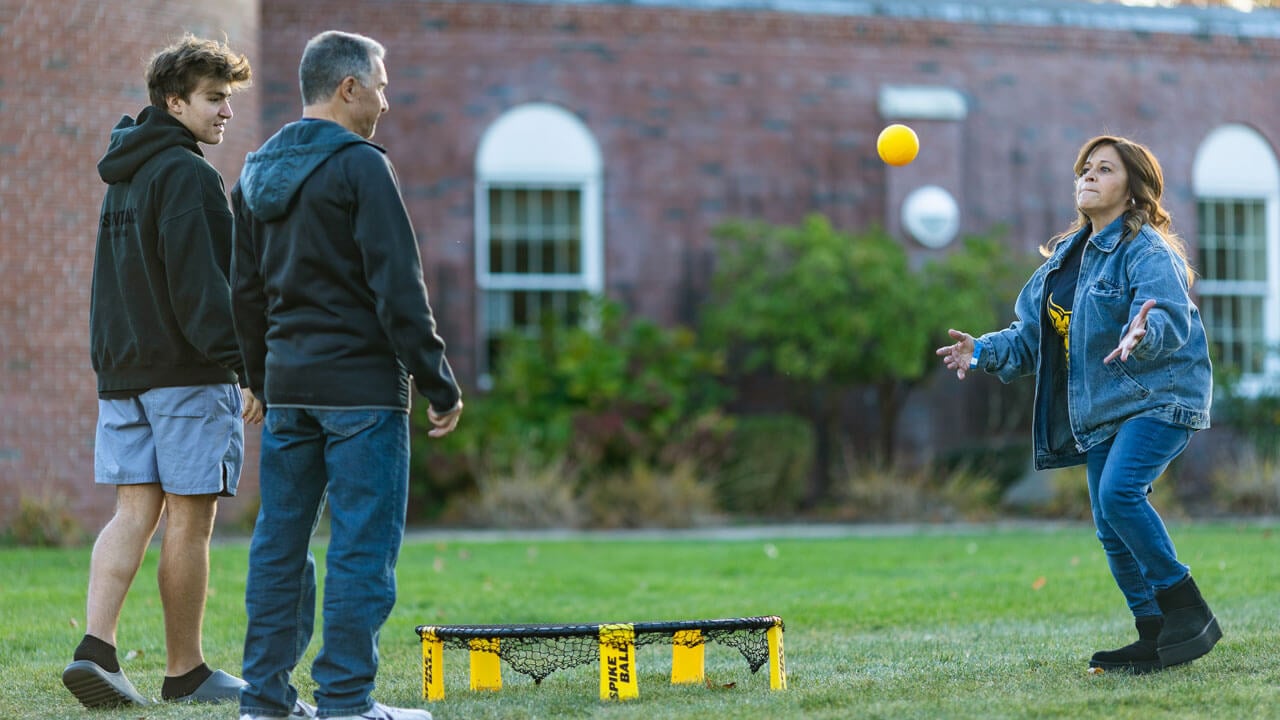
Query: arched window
[[1237, 184], [539, 243]]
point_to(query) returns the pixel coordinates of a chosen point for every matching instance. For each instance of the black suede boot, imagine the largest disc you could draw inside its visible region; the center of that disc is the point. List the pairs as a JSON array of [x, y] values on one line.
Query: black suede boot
[[1138, 657], [1190, 629]]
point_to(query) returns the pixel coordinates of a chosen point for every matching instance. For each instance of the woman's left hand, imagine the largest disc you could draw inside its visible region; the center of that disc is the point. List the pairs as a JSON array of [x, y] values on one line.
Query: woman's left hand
[[1137, 330]]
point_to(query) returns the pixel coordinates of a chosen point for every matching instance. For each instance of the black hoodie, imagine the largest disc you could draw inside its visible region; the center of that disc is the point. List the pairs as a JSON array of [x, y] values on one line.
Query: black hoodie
[[160, 309], [331, 308]]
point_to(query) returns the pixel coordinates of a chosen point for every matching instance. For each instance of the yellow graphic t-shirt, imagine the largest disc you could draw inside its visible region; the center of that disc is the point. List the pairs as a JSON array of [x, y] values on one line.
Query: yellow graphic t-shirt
[[1060, 318], [1062, 291]]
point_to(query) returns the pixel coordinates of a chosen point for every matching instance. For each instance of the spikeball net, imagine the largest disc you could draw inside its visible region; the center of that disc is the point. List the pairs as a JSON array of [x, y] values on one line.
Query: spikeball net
[[539, 650]]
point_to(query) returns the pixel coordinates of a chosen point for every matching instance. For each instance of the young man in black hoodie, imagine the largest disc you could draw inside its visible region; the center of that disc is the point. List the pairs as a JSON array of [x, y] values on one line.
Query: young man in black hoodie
[[170, 430], [333, 319]]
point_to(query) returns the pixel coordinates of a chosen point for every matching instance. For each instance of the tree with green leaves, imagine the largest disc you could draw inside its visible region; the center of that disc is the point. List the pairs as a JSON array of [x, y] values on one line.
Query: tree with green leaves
[[828, 311]]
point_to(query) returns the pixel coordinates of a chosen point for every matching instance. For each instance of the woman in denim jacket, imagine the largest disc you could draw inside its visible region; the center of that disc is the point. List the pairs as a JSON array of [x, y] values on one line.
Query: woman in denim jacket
[[1122, 381]]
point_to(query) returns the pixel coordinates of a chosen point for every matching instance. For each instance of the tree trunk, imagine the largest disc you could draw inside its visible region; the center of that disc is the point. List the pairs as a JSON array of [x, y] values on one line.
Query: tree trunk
[[822, 413], [890, 401]]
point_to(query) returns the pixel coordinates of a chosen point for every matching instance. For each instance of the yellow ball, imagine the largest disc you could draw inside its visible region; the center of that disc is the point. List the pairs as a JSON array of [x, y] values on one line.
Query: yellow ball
[[897, 145]]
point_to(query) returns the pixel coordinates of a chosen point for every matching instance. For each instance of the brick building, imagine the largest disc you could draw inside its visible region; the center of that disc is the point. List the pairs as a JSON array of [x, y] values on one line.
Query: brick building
[[68, 71], [619, 133]]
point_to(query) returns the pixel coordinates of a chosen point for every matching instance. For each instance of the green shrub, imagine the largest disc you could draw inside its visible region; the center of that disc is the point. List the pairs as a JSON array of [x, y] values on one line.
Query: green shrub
[[1070, 500], [1248, 486], [1258, 419], [1004, 463], [641, 497], [767, 465], [592, 401], [1254, 414], [1069, 497], [825, 311], [44, 521], [552, 496], [871, 493], [527, 497]]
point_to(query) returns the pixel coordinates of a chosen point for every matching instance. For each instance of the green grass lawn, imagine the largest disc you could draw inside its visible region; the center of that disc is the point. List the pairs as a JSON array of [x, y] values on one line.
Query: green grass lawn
[[985, 622]]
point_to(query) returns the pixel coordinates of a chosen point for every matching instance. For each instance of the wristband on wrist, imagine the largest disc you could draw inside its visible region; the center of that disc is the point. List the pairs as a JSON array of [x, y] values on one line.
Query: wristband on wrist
[[977, 353]]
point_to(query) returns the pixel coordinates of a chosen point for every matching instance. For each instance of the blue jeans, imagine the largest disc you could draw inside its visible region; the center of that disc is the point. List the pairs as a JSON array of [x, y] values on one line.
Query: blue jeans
[[359, 459], [1121, 471]]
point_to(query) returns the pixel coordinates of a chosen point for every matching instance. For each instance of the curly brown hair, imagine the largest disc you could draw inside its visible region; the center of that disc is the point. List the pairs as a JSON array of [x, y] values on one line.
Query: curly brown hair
[[179, 68], [1146, 187]]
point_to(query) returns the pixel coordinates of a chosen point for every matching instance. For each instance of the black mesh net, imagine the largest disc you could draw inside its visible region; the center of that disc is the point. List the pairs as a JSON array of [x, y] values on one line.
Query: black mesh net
[[539, 650]]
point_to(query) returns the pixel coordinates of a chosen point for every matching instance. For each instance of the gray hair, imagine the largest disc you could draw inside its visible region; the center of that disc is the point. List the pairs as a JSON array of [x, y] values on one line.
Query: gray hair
[[332, 56]]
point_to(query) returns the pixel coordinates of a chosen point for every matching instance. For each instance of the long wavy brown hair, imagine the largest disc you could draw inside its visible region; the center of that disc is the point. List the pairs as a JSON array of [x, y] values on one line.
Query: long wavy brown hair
[[1146, 186]]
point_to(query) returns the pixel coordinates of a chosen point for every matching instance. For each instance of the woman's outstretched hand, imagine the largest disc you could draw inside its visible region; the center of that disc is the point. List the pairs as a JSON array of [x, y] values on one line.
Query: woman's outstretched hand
[[957, 356], [1137, 330]]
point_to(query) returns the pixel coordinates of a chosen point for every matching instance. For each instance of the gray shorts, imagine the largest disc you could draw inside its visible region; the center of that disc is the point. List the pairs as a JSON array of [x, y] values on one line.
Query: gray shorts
[[189, 439]]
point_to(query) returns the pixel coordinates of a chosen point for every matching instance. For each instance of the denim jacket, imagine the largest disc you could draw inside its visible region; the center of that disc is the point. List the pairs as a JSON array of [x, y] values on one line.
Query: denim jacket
[[1079, 404]]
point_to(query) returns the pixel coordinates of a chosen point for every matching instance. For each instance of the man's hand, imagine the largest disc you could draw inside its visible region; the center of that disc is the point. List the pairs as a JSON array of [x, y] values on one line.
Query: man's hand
[[444, 422], [254, 410]]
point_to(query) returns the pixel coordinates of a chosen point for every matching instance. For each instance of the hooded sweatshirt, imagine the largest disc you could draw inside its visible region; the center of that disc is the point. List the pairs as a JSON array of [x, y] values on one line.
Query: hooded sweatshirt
[[160, 308], [330, 304]]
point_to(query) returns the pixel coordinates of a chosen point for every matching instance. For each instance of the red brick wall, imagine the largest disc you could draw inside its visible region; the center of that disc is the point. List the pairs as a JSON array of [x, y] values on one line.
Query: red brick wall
[[702, 115], [68, 71]]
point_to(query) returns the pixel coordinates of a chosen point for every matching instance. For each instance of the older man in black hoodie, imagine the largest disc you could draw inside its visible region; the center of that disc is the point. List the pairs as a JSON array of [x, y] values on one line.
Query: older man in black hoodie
[[170, 417], [333, 319]]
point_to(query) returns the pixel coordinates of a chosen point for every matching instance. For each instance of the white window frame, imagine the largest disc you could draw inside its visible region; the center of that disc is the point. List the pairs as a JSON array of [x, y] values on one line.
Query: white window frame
[[1234, 162], [537, 146]]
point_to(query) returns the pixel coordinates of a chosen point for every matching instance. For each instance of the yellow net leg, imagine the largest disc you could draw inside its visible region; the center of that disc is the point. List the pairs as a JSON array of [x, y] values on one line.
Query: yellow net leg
[[618, 663], [687, 651], [777, 660], [486, 666], [432, 667]]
